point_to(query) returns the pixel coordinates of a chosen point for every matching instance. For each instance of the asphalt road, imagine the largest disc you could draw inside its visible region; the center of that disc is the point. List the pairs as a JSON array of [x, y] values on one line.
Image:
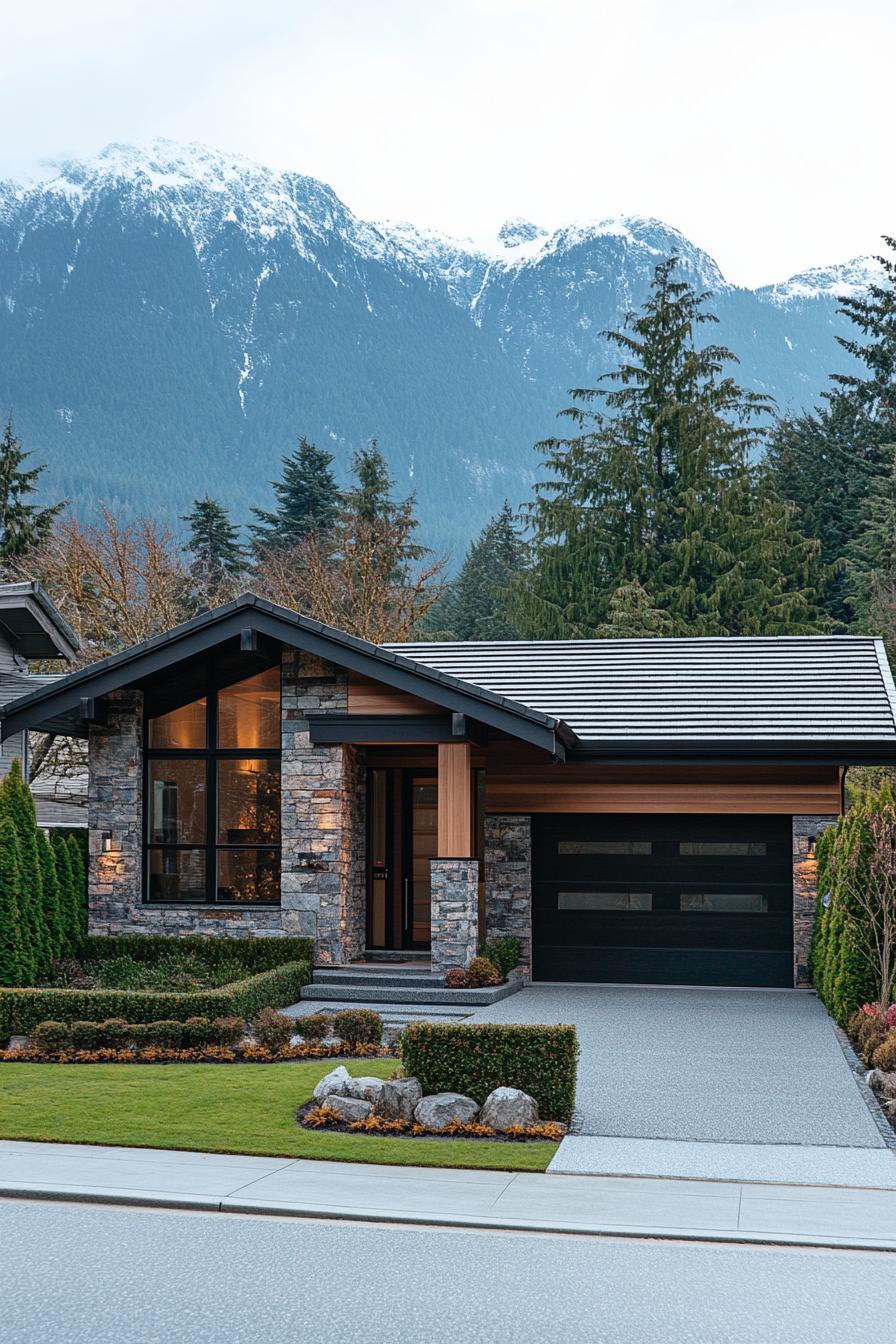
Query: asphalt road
[[79, 1274]]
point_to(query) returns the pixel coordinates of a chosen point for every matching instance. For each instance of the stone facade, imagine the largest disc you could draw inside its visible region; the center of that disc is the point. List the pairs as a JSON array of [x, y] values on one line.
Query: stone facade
[[455, 912], [805, 890], [322, 822], [508, 881]]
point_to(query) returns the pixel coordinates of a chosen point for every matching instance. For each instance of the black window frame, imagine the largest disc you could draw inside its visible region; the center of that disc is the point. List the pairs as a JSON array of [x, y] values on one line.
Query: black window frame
[[208, 686]]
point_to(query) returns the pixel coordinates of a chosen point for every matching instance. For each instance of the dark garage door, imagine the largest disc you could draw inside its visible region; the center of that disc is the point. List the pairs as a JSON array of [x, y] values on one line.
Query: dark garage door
[[688, 900]]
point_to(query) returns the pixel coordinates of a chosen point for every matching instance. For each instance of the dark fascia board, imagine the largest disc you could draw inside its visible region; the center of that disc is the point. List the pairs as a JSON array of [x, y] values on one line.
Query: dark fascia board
[[44, 632], [793, 751], [367, 729], [61, 700]]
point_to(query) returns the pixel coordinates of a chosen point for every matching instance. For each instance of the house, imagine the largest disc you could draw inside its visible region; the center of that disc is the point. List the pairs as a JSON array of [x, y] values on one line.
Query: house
[[32, 630], [632, 810]]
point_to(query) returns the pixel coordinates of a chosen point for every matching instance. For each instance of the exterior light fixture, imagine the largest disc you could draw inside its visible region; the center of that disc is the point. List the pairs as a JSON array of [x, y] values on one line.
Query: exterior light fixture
[[109, 844], [810, 848]]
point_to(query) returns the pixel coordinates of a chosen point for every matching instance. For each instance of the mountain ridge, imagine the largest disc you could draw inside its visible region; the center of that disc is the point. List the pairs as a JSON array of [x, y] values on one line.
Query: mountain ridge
[[173, 317]]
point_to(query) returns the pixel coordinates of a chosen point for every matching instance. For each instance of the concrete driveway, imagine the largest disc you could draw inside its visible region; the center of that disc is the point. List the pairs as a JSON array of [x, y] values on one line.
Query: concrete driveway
[[716, 1065]]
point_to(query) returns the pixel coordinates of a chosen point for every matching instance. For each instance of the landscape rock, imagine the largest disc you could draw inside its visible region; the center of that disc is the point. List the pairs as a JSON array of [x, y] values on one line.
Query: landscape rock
[[438, 1110], [397, 1098], [349, 1108], [367, 1089], [333, 1084], [883, 1082], [508, 1106]]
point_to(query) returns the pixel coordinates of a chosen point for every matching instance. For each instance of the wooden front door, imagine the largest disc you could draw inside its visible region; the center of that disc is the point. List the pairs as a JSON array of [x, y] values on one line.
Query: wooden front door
[[402, 816]]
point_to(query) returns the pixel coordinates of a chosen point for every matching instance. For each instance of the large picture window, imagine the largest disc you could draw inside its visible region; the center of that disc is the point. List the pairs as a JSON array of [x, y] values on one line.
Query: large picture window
[[212, 789]]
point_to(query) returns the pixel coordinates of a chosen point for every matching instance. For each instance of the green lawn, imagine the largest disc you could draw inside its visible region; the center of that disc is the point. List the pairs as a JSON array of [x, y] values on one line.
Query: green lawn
[[213, 1108]]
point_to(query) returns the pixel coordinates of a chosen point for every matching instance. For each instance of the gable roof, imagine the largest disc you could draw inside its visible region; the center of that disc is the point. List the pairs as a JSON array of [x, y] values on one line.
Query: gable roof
[[32, 625], [56, 707], [813, 694], [800, 697]]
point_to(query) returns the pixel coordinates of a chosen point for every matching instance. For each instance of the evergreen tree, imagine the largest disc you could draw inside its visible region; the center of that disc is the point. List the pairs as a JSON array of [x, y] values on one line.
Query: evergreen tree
[[656, 487], [17, 804], [307, 500], [68, 904], [23, 524], [830, 461], [476, 604], [12, 971], [871, 558], [371, 498], [216, 552], [79, 883], [371, 512], [57, 944], [631, 616]]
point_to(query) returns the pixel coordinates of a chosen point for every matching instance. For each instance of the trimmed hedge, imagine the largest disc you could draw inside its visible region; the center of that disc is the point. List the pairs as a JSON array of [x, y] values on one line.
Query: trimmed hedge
[[22, 1009], [256, 954], [476, 1059]]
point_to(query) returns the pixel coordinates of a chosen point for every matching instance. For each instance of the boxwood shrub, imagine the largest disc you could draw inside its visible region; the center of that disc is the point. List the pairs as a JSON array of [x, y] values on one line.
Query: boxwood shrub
[[475, 1059], [255, 954], [22, 1009]]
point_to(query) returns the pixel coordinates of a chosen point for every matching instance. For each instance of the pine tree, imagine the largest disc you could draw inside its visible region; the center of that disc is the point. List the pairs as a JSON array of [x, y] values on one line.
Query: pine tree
[[12, 971], [216, 552], [476, 604], [871, 558], [23, 524], [79, 883], [57, 943], [370, 511], [68, 904], [17, 804], [631, 616], [829, 462], [307, 500], [656, 487]]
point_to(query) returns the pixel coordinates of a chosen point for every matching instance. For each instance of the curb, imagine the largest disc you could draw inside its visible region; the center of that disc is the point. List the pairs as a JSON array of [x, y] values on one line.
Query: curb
[[473, 1222]]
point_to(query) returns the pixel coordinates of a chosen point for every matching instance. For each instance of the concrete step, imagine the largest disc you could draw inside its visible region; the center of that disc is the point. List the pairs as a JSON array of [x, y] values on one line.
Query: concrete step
[[395, 979], [410, 994], [394, 1017]]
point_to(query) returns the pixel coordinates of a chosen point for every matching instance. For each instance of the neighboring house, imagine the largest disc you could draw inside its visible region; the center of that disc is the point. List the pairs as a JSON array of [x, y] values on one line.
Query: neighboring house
[[633, 810], [31, 630]]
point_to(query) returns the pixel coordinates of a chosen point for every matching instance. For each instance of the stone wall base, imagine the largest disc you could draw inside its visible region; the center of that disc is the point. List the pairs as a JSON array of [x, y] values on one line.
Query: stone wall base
[[508, 882], [805, 890], [455, 912]]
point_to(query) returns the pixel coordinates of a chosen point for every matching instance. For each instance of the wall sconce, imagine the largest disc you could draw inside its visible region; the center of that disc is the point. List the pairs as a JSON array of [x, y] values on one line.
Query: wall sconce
[[810, 848], [109, 845]]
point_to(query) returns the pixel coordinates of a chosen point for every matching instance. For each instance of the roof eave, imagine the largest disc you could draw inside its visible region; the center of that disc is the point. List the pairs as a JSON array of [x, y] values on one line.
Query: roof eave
[[47, 708]]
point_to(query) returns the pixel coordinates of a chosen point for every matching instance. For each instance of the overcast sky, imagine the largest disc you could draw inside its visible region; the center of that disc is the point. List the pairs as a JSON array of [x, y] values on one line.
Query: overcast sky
[[761, 128]]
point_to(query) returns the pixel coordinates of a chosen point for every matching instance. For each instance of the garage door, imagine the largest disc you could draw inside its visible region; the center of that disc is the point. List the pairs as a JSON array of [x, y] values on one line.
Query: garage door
[[663, 899]]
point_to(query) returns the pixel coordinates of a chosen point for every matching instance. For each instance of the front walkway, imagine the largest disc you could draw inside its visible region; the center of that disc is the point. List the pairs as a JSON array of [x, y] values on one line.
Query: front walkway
[[217, 1183], [706, 1065]]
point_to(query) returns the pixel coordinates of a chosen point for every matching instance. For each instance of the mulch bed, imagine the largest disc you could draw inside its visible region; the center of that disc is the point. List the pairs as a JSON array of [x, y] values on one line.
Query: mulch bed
[[296, 1054], [346, 1128]]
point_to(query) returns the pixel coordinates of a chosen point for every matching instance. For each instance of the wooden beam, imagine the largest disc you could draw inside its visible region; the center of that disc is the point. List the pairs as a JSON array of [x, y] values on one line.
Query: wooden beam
[[455, 807]]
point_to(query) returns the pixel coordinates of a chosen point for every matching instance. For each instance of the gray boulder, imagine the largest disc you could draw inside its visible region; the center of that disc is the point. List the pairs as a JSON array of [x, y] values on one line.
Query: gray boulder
[[397, 1098], [333, 1084], [437, 1111], [508, 1106], [367, 1089], [349, 1108]]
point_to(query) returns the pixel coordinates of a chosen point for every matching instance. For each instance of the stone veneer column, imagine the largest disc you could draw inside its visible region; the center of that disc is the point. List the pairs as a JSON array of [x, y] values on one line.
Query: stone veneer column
[[805, 890], [455, 912], [114, 806], [508, 882], [322, 881]]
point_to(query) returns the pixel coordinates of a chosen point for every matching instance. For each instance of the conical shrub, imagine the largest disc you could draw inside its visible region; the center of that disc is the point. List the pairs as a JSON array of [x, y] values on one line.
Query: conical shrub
[[17, 804], [67, 904], [79, 883], [12, 971], [57, 941]]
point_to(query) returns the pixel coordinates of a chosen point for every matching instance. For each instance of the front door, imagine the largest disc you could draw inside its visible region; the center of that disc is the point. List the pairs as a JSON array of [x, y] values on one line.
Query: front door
[[402, 819]]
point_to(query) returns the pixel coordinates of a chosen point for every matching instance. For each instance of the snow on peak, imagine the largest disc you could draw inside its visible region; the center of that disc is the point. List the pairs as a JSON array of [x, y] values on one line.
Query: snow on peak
[[515, 231], [826, 282]]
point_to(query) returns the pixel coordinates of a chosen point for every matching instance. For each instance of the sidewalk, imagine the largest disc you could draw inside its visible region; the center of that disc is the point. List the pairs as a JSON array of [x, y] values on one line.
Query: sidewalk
[[813, 1215]]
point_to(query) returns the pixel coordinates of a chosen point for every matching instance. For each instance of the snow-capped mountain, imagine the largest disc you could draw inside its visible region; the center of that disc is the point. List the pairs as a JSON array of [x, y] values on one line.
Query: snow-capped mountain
[[173, 317]]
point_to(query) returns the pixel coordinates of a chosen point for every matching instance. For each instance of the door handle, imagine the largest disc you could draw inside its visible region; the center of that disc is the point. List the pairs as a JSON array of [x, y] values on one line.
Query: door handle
[[407, 904]]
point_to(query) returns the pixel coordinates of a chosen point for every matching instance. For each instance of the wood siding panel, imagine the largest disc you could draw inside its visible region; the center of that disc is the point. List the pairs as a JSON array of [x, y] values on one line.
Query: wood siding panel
[[455, 817], [372, 697], [585, 789]]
